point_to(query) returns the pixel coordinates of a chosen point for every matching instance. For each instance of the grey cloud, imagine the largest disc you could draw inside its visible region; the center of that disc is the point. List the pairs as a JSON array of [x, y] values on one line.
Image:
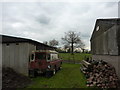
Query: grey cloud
[[111, 4], [86, 35], [44, 21]]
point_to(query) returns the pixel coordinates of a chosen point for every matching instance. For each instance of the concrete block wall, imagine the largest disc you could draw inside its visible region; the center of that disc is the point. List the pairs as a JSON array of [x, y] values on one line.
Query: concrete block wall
[[113, 60]]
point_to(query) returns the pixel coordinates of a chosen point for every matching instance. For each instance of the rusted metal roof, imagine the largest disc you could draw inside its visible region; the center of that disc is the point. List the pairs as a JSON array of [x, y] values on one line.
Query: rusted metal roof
[[105, 39], [104, 25], [12, 39]]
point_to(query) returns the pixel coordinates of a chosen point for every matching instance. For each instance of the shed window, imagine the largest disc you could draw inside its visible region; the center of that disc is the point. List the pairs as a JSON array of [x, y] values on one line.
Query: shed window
[[7, 44], [17, 43], [98, 27]]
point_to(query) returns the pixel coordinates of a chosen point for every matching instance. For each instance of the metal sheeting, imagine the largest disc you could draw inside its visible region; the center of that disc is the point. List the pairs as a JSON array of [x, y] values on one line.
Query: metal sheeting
[[100, 44], [112, 41], [118, 38], [119, 66], [16, 56], [31, 48], [106, 43], [0, 65]]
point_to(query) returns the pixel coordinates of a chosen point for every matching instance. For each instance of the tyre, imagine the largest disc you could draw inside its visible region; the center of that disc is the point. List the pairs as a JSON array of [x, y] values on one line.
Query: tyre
[[48, 74], [54, 71], [60, 68], [32, 73]]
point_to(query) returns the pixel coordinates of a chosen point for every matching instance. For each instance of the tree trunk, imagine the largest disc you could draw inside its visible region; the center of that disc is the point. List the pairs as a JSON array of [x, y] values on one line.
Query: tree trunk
[[83, 50], [72, 48]]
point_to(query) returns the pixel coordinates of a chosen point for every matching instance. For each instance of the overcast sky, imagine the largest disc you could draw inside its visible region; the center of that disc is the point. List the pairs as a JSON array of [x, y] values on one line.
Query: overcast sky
[[43, 21]]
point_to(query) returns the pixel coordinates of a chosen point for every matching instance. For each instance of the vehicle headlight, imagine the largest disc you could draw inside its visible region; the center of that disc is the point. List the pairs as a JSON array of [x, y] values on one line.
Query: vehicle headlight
[[49, 66]]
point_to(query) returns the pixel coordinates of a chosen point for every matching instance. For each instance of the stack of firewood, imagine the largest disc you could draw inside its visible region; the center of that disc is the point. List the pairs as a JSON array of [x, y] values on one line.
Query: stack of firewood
[[100, 74]]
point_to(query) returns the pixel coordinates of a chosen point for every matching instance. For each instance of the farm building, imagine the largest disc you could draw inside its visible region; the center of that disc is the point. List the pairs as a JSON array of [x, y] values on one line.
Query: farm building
[[16, 52], [105, 42]]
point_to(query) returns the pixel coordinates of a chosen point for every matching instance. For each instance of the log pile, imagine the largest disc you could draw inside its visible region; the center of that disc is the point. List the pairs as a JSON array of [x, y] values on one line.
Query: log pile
[[100, 74]]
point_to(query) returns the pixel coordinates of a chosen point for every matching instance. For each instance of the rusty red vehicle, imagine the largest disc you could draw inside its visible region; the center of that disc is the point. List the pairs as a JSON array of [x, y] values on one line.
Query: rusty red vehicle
[[44, 62]]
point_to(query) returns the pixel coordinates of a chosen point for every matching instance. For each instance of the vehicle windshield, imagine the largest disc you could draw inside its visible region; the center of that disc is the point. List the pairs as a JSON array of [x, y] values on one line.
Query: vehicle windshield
[[40, 56]]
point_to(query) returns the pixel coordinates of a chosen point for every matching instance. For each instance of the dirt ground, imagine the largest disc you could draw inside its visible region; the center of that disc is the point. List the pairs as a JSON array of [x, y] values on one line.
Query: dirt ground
[[11, 79]]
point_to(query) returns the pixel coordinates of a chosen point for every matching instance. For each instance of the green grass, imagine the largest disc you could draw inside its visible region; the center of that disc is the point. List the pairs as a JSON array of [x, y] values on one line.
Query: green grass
[[76, 56], [69, 77]]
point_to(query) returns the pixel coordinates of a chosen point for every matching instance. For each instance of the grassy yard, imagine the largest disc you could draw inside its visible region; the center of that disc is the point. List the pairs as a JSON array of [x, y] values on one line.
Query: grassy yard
[[76, 56], [69, 77]]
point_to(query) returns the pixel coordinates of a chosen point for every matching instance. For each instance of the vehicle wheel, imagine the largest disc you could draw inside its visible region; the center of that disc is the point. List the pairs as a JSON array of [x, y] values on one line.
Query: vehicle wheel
[[54, 71], [32, 73], [60, 68], [48, 74]]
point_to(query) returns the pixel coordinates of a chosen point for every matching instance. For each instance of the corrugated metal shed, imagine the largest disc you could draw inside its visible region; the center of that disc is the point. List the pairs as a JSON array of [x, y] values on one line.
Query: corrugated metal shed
[[106, 37], [105, 42], [16, 52]]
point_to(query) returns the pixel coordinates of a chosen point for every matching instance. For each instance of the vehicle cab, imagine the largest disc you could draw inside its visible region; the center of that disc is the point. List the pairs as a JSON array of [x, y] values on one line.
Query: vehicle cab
[[44, 61]]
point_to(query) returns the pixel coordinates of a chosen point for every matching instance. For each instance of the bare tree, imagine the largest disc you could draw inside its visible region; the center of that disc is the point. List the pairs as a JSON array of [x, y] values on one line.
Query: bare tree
[[73, 39], [82, 46], [53, 42], [66, 47]]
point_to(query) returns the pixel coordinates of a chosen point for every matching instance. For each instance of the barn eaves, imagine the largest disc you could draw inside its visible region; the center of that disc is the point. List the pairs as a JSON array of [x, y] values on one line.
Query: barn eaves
[[11, 39]]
